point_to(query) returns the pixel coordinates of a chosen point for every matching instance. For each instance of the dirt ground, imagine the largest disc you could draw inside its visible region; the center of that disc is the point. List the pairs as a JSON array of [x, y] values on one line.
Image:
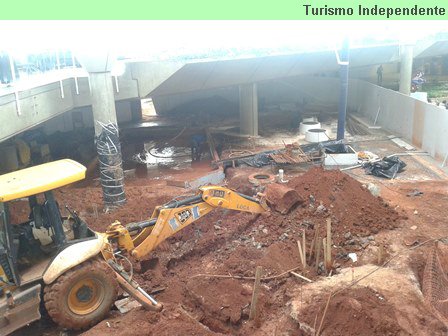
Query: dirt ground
[[229, 243], [226, 243]]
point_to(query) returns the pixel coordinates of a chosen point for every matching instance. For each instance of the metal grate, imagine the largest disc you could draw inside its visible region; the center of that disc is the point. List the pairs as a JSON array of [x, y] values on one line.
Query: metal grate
[[435, 286], [290, 155]]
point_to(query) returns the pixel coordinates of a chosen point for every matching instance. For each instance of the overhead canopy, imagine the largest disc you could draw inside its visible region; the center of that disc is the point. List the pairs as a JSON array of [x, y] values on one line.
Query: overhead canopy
[[218, 74], [438, 48], [41, 178]]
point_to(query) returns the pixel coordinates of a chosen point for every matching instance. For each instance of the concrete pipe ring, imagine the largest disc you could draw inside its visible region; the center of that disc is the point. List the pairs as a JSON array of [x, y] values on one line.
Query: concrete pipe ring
[[258, 179], [307, 125], [316, 135], [309, 119]]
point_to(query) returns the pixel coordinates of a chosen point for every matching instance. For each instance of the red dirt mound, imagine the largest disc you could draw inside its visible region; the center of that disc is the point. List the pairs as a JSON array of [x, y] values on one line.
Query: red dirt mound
[[360, 311], [347, 198], [88, 201], [351, 206], [222, 301]]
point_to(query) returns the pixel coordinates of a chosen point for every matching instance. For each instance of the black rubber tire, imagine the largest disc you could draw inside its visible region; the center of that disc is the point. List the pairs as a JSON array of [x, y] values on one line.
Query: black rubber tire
[[56, 295]]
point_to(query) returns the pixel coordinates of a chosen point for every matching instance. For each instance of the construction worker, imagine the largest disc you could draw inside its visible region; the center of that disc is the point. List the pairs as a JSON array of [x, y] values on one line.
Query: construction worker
[[379, 74], [5, 68], [198, 142]]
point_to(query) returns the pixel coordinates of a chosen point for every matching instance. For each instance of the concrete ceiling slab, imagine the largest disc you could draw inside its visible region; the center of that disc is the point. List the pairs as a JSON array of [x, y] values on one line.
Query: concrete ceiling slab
[[437, 49], [217, 74]]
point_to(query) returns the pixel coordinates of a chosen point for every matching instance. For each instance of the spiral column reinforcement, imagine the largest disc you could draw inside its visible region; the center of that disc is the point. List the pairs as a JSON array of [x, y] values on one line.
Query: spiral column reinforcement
[[110, 163]]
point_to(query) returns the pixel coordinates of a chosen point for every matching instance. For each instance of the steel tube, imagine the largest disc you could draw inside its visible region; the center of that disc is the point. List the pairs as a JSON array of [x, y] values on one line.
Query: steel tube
[[343, 72]]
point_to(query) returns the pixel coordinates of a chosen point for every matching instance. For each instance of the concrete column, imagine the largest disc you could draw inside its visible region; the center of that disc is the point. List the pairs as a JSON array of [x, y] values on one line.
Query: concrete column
[[343, 73], [106, 137], [136, 110], [103, 101], [406, 57], [249, 109]]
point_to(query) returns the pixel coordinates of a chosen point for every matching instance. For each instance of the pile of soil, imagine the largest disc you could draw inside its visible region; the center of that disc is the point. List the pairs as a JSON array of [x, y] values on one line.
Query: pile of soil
[[174, 320], [360, 311], [88, 202], [352, 207], [356, 215], [221, 301]]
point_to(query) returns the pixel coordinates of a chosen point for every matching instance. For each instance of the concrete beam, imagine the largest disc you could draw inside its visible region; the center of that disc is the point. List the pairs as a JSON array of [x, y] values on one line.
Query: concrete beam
[[36, 105], [150, 75], [249, 109], [42, 103]]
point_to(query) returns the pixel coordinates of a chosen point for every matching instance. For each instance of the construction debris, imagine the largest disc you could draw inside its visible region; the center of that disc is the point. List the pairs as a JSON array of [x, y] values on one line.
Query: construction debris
[[388, 167], [402, 143], [414, 193], [291, 154], [127, 304]]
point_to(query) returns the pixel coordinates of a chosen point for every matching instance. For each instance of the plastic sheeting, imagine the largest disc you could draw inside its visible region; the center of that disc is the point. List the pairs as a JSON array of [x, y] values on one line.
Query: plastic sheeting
[[388, 167], [259, 160], [264, 159]]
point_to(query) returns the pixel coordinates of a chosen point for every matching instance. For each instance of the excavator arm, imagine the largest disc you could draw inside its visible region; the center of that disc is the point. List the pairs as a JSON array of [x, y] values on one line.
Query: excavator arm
[[141, 238], [177, 215]]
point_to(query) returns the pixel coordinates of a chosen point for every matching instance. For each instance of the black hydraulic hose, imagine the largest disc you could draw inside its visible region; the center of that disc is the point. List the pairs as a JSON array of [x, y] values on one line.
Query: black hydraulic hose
[[170, 205], [185, 201], [253, 199], [141, 225]]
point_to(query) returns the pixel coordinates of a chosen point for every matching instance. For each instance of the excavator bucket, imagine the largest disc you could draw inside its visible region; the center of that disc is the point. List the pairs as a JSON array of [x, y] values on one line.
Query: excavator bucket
[[282, 198]]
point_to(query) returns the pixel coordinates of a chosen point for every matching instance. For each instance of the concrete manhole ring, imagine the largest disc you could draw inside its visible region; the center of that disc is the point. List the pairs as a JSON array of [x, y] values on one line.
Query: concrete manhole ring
[[261, 178]]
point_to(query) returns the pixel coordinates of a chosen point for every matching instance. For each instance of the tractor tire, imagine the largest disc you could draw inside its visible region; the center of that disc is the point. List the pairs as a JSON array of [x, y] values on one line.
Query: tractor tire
[[82, 296]]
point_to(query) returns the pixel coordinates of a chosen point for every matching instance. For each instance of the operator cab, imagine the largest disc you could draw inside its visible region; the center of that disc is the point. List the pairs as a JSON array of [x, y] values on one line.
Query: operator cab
[[32, 230]]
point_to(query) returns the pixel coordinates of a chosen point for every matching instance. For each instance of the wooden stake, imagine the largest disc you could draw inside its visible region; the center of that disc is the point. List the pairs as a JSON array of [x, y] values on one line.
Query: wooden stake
[[95, 210], [301, 276], [324, 242], [315, 322], [304, 249], [239, 277], [302, 257], [323, 316], [253, 304], [380, 254], [318, 248], [329, 263], [313, 248]]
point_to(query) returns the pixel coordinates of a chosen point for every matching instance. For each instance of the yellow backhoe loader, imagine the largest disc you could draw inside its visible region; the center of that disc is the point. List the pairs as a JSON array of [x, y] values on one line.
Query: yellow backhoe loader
[[72, 269]]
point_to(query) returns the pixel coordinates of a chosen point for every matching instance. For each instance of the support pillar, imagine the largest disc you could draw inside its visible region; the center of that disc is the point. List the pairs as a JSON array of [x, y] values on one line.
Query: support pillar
[[343, 73], [406, 58], [249, 109], [103, 101], [136, 110], [107, 138]]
